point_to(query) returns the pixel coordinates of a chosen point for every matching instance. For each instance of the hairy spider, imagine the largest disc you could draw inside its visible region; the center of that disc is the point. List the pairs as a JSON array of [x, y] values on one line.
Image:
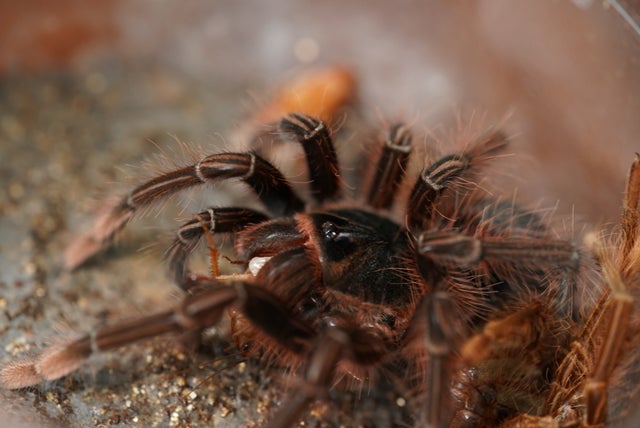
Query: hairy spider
[[467, 299]]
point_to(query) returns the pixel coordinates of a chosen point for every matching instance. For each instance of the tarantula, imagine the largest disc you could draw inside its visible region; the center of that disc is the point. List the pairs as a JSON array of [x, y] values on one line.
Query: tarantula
[[467, 298]]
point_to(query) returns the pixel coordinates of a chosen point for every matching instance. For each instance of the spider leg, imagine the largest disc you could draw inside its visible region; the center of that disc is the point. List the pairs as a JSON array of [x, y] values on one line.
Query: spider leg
[[266, 181], [317, 378], [523, 264], [439, 251], [339, 340], [434, 331], [630, 227], [194, 314], [464, 251], [447, 172], [438, 342], [520, 346], [391, 167], [618, 273], [320, 153], [213, 220], [618, 316]]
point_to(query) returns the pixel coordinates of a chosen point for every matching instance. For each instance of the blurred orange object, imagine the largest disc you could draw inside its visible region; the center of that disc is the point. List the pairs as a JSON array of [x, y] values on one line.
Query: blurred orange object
[[39, 35], [321, 93]]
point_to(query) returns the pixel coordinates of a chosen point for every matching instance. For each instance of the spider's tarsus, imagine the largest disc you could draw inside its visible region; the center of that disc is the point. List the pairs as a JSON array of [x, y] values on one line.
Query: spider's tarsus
[[54, 363], [20, 374]]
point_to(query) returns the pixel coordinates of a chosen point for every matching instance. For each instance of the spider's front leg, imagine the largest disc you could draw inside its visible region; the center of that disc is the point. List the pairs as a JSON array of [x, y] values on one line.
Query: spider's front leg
[[194, 314], [266, 181], [322, 161]]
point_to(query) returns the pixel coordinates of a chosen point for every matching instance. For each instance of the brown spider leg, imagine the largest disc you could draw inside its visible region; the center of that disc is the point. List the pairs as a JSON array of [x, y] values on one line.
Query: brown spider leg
[[438, 342], [439, 248], [317, 378], [618, 316], [320, 153], [464, 251], [608, 310], [391, 167], [618, 311], [266, 181], [339, 340], [433, 329], [630, 207], [213, 220], [194, 314], [447, 172]]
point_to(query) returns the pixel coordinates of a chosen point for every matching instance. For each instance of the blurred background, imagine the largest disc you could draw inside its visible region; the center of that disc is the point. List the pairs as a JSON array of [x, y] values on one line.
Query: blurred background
[[86, 87], [567, 71]]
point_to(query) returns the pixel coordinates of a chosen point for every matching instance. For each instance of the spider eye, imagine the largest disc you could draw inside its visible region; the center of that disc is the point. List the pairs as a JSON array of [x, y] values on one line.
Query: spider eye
[[330, 231]]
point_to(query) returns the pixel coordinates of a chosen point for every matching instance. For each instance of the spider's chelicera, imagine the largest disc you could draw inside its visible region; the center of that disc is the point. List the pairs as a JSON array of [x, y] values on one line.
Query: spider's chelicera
[[340, 290]]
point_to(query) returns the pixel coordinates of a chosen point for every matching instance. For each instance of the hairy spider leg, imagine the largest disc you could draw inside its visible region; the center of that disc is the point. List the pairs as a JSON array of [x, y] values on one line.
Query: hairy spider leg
[[267, 182], [210, 221], [445, 248], [465, 251], [195, 313], [618, 273], [322, 161], [338, 340], [202, 310], [316, 379], [434, 179], [617, 315], [447, 172], [605, 326], [438, 340], [390, 168]]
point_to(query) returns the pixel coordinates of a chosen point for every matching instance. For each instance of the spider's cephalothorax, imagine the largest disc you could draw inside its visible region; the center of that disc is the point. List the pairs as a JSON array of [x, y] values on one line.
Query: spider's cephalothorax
[[448, 295]]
